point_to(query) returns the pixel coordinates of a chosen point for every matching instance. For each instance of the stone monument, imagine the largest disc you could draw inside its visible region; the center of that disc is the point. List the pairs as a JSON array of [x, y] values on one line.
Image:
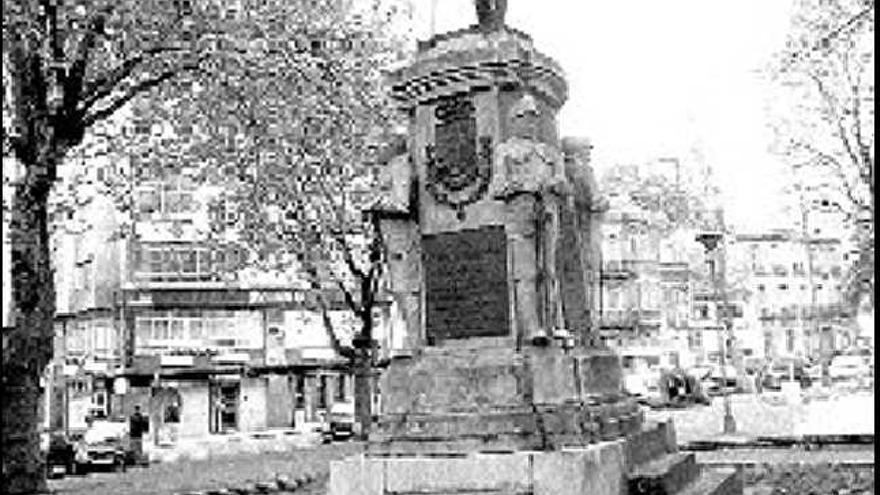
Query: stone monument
[[502, 389]]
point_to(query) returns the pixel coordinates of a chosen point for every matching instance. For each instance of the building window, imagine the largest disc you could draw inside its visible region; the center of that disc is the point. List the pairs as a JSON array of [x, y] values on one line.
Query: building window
[[783, 286], [172, 413], [163, 262], [300, 391], [171, 197], [789, 340], [202, 329], [340, 387], [761, 288], [322, 392]]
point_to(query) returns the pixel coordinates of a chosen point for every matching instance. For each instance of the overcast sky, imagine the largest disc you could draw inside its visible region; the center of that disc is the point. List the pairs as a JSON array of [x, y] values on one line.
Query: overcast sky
[[651, 79]]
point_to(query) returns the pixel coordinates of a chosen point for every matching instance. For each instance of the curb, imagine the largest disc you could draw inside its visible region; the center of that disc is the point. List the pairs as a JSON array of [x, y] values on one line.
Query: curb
[[808, 442]]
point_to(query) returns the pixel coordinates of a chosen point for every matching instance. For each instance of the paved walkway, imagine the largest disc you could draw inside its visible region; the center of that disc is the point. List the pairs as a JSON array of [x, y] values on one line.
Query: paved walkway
[[861, 457], [213, 474], [217, 446]]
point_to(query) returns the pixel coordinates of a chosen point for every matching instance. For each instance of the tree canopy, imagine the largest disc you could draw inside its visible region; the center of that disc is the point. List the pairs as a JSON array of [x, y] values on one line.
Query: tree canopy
[[823, 112]]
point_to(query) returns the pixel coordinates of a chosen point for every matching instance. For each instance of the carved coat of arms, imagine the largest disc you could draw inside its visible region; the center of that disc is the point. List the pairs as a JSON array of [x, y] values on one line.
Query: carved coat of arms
[[459, 164]]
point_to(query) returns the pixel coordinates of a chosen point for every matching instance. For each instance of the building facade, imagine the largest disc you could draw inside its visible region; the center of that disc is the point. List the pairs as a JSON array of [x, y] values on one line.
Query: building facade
[[631, 289], [797, 292], [157, 312]]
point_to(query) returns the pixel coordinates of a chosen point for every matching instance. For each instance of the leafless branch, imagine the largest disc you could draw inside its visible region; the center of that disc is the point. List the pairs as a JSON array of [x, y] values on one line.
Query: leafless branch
[[349, 299], [141, 87], [331, 330], [851, 22], [831, 103], [104, 86]]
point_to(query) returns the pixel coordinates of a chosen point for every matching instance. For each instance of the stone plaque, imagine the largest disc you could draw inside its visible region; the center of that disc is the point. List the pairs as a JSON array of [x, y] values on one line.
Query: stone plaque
[[466, 284]]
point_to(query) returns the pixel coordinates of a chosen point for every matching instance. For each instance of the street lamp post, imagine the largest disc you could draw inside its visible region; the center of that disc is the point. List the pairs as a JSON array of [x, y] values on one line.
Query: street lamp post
[[710, 241]]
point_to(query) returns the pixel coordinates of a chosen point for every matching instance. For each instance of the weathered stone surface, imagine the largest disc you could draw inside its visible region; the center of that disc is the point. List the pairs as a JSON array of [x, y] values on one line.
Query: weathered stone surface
[[479, 472], [600, 373], [597, 470], [452, 380], [553, 376]]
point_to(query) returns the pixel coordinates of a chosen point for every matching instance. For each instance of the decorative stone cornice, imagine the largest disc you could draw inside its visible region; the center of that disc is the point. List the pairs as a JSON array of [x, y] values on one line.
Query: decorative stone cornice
[[470, 60]]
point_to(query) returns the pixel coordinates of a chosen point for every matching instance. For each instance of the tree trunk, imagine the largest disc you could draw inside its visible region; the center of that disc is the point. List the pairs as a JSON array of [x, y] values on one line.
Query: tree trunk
[[364, 365], [363, 393], [27, 344]]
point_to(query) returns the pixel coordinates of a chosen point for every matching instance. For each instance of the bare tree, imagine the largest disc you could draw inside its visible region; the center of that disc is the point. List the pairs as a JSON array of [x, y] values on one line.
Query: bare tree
[[68, 67], [825, 121]]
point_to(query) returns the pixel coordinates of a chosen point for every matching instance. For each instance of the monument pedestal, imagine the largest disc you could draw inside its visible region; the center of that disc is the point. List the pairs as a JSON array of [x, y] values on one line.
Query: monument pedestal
[[457, 399], [645, 462]]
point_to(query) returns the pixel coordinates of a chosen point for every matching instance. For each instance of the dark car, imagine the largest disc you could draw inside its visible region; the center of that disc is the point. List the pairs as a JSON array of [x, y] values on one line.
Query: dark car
[[60, 456]]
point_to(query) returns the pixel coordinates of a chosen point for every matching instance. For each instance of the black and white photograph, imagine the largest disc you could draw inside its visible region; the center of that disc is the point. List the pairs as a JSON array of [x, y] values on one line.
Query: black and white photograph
[[438, 247]]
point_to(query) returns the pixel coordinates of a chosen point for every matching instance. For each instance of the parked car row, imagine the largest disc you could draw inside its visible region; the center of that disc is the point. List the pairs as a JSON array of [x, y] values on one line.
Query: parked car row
[[102, 446]]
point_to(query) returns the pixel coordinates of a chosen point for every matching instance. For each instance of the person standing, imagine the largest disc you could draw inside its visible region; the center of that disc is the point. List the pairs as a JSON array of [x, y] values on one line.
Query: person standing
[[138, 425]]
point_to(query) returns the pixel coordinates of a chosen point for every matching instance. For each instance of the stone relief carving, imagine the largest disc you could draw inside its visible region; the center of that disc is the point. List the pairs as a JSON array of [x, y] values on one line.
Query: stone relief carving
[[459, 164]]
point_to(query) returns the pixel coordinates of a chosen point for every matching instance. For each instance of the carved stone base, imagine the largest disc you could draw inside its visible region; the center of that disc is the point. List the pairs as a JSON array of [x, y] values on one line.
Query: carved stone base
[[498, 398], [645, 462], [597, 470]]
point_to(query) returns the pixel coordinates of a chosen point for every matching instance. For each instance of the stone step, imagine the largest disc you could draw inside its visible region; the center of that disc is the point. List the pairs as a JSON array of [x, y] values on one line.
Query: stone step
[[665, 475], [716, 481]]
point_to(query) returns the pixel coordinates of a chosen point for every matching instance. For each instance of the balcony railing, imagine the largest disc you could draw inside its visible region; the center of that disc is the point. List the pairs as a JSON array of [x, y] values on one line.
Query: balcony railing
[[618, 269], [619, 318], [824, 311], [625, 318]]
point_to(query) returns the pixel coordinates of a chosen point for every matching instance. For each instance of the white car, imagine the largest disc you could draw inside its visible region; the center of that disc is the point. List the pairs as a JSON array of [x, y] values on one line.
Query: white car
[[103, 444], [340, 422], [850, 367]]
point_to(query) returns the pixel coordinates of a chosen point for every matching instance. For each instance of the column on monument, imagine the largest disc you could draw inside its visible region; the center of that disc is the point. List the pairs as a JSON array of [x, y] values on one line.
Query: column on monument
[[550, 239], [522, 238], [404, 267]]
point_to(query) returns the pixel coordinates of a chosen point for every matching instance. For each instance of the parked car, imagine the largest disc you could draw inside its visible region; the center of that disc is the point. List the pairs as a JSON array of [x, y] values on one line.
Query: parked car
[[783, 370], [339, 424], [814, 372], [718, 383], [104, 442], [848, 367], [59, 455]]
